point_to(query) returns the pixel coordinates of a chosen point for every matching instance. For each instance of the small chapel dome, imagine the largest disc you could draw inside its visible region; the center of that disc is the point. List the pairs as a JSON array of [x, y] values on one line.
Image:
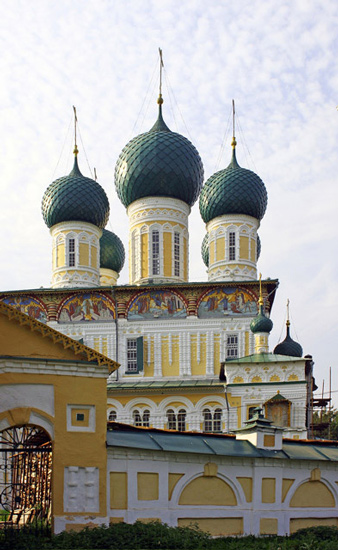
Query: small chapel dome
[[288, 346], [159, 163], [75, 198], [205, 250], [112, 254], [234, 190], [261, 323]]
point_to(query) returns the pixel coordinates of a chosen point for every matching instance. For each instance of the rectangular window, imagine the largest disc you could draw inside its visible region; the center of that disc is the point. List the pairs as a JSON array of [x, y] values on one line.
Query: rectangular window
[[132, 355], [232, 346], [177, 254], [232, 246], [71, 252], [155, 245]]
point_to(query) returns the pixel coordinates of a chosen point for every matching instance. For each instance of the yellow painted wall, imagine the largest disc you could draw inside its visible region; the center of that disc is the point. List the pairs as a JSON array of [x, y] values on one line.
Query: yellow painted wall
[[94, 257], [247, 343], [147, 486], [211, 252], [244, 247], [246, 484], [220, 249], [167, 260], [84, 254], [173, 479], [286, 485], [145, 255], [148, 361], [208, 491], [253, 252], [61, 255], [268, 490], [118, 490], [215, 526], [217, 347], [312, 494], [198, 368], [236, 402], [268, 526]]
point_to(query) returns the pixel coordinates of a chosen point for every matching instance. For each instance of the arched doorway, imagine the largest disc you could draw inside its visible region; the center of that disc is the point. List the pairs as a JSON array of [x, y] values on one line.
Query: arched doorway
[[25, 476]]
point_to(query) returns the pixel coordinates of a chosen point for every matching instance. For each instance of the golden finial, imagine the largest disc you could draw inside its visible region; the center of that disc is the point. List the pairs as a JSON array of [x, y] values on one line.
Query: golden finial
[[160, 99], [288, 312], [260, 301], [234, 142], [75, 123]]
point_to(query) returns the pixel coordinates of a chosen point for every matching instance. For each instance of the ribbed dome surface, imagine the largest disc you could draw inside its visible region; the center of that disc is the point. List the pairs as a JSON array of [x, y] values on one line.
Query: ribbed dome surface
[[205, 250], [289, 346], [261, 323], [112, 254], [259, 247], [159, 163], [234, 190], [75, 198]]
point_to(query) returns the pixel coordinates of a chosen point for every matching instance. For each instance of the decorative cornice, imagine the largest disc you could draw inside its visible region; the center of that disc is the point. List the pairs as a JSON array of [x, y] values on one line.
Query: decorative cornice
[[57, 337]]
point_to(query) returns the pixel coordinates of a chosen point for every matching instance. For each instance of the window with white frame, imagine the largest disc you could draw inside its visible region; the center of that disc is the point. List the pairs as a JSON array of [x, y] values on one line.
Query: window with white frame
[[112, 416], [137, 418], [176, 421], [71, 252], [140, 419], [232, 346], [132, 355], [177, 254], [212, 420], [155, 251], [232, 245]]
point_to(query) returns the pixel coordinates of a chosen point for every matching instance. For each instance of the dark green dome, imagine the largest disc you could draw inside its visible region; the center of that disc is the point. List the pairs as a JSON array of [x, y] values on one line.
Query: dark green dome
[[75, 198], [112, 253], [289, 346], [261, 323], [159, 163], [205, 250], [234, 190], [259, 246]]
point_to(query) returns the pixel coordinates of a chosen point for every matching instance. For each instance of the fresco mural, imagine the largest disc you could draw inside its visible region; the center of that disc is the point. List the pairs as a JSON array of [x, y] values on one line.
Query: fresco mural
[[160, 304], [29, 306], [227, 301], [87, 307]]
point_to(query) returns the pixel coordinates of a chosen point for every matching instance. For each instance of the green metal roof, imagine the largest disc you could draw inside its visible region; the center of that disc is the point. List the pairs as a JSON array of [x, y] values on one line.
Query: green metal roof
[[112, 254], [261, 323], [289, 346], [75, 198], [264, 358], [119, 435], [205, 250], [159, 163], [234, 190], [166, 384]]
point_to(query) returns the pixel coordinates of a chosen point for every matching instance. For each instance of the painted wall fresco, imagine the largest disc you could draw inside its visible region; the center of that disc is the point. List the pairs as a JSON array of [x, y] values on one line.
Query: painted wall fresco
[[227, 301], [159, 304], [87, 307], [29, 306]]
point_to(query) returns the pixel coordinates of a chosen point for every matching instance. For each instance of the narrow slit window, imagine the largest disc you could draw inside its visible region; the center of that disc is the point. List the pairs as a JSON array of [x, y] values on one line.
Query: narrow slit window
[[155, 244], [71, 252], [232, 245], [177, 253], [132, 355], [232, 346]]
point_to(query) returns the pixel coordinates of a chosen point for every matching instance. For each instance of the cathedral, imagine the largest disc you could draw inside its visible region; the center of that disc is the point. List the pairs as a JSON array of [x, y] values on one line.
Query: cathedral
[[192, 356]]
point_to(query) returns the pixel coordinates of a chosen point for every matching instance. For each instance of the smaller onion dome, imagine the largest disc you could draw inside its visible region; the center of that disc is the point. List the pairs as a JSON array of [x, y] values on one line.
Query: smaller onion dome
[[234, 190], [75, 198], [159, 163], [205, 250], [112, 254], [288, 346], [261, 323]]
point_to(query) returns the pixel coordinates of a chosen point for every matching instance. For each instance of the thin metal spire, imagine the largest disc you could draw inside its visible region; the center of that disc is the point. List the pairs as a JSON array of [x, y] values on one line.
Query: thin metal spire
[[160, 100], [233, 143], [95, 175], [260, 301], [288, 312], [75, 128]]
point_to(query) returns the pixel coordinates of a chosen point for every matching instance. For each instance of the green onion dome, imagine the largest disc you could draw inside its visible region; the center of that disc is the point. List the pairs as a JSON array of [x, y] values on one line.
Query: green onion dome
[[159, 163], [289, 346], [205, 250], [75, 198], [259, 246], [112, 254], [261, 323], [234, 190]]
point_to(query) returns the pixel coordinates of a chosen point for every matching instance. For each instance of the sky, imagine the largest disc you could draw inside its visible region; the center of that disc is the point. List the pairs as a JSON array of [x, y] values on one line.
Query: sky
[[278, 60]]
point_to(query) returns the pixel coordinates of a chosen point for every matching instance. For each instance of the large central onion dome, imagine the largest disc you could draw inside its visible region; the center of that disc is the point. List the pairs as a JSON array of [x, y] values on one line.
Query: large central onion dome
[[159, 163], [75, 198], [289, 346], [234, 190]]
